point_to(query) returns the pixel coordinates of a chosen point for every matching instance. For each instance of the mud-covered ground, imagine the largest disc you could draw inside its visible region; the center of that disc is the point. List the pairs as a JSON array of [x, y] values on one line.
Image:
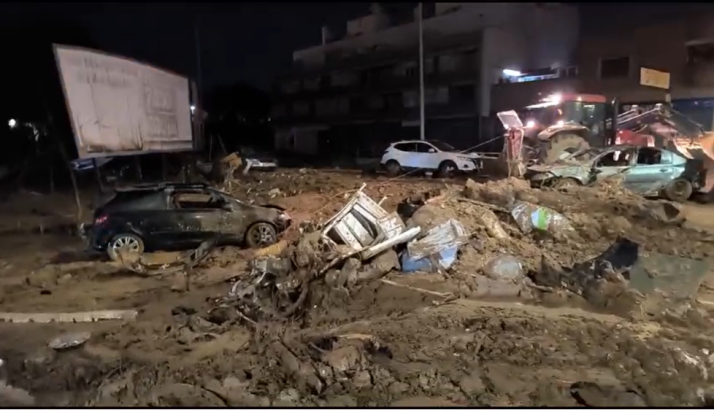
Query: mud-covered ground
[[400, 342]]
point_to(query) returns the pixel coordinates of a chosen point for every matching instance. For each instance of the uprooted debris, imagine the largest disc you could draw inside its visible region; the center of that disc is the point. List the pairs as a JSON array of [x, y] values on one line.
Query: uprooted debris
[[495, 239]]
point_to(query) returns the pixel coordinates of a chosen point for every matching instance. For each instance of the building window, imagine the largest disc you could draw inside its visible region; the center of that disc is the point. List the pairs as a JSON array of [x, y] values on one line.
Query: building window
[[278, 111], [301, 108], [433, 96], [463, 93], [700, 53], [615, 67], [311, 84], [375, 102], [411, 99], [394, 100], [325, 107], [290, 87], [359, 104], [412, 70]]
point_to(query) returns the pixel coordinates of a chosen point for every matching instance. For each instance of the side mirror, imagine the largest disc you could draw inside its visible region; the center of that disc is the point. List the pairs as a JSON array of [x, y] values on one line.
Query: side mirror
[[432, 151], [595, 170]]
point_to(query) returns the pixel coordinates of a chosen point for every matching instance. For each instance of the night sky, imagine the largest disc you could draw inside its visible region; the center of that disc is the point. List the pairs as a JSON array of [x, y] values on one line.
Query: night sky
[[242, 42], [246, 42]]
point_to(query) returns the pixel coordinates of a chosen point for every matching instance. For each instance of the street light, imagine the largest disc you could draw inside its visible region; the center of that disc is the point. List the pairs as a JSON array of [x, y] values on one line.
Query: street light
[[12, 123], [511, 73]]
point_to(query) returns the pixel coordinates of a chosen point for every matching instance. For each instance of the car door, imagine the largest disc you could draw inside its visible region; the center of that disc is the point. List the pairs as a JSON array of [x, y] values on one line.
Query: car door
[[429, 156], [613, 163], [199, 215], [651, 171], [152, 218], [404, 154]]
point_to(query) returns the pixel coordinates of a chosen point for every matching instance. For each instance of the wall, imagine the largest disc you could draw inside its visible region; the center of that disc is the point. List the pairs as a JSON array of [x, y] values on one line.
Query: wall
[[516, 36], [662, 47], [471, 17]]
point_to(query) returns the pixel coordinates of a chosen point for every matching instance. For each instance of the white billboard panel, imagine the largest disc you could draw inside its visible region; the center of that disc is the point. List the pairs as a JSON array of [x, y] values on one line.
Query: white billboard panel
[[118, 106]]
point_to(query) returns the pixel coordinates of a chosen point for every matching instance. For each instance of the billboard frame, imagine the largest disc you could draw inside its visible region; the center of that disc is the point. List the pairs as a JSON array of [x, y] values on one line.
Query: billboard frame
[[56, 46]]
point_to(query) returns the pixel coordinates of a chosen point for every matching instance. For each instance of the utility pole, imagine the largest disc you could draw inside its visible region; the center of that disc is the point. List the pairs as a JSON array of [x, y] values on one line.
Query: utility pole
[[198, 56], [421, 73], [198, 98]]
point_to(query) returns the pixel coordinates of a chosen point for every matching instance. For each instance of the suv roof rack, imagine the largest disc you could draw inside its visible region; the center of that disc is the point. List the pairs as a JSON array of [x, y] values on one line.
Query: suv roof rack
[[158, 186]]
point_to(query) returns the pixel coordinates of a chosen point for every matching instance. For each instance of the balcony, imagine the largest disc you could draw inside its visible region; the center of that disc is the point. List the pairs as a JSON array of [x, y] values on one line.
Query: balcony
[[398, 114], [389, 84], [352, 59]]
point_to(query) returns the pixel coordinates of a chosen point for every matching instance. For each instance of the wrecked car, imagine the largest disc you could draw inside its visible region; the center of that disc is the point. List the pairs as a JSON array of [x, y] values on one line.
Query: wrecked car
[[173, 216], [647, 171], [258, 160]]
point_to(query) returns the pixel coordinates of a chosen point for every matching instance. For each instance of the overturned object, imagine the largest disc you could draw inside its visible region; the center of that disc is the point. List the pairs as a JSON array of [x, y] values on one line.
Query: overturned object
[[366, 228]]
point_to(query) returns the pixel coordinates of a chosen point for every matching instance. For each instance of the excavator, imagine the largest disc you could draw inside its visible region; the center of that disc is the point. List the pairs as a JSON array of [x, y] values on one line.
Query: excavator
[[562, 124]]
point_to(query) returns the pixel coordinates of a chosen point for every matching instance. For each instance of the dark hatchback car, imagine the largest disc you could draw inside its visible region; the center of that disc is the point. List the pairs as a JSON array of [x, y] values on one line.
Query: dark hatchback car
[[173, 216]]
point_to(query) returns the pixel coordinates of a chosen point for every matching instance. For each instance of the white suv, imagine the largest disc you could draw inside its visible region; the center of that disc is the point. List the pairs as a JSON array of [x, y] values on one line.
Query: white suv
[[428, 156]]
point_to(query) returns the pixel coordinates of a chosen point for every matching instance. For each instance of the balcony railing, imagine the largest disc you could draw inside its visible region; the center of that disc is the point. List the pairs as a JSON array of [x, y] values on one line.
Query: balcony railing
[[448, 110], [433, 45], [388, 84]]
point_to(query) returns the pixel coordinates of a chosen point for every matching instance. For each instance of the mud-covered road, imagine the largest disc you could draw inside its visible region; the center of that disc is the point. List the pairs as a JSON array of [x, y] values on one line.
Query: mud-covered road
[[398, 342]]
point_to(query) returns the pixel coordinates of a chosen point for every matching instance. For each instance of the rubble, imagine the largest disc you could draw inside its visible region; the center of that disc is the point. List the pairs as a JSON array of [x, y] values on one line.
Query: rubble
[[304, 322], [69, 340]]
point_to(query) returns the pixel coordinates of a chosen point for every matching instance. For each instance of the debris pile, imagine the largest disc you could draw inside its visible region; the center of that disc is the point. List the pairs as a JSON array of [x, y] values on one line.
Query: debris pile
[[498, 239]]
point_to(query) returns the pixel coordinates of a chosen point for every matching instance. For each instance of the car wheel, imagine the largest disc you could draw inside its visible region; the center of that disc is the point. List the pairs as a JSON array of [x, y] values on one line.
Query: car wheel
[[261, 234], [565, 183], [447, 169], [393, 168], [125, 244], [678, 190]]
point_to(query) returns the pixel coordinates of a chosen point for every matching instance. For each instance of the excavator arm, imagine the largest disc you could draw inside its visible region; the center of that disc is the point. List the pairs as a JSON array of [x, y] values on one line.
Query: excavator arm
[[690, 139], [636, 119]]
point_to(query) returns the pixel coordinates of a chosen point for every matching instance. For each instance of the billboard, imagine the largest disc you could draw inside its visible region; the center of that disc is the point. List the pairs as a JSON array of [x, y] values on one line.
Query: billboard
[[118, 106]]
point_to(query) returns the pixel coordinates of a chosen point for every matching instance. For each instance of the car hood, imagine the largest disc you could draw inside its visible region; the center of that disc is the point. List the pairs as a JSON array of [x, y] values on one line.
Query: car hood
[[561, 170], [471, 155]]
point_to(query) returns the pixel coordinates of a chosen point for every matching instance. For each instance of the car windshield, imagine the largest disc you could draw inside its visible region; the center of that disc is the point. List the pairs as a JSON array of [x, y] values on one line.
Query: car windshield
[[442, 146]]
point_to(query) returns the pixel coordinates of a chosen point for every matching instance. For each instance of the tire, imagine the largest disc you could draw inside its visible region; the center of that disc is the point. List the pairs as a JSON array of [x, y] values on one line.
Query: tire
[[560, 144], [128, 241], [678, 190], [564, 183], [446, 169], [261, 234], [393, 168]]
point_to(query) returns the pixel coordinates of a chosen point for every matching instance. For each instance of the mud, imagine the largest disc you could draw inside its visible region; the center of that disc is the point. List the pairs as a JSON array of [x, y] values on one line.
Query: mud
[[457, 339]]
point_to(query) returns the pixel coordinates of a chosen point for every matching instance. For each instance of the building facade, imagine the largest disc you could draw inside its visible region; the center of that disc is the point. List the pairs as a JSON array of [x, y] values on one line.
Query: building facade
[[351, 96], [609, 64]]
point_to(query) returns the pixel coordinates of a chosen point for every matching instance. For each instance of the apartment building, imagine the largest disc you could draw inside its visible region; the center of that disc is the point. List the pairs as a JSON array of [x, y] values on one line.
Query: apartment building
[[353, 94], [609, 63]]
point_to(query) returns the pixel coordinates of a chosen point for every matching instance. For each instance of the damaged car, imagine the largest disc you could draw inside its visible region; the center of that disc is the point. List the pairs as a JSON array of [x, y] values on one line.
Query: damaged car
[[174, 216], [647, 171]]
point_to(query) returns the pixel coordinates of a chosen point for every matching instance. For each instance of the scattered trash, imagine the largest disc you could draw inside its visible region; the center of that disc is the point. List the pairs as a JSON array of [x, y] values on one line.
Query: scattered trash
[[69, 340], [441, 242], [445, 236], [504, 267], [529, 217], [445, 258]]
